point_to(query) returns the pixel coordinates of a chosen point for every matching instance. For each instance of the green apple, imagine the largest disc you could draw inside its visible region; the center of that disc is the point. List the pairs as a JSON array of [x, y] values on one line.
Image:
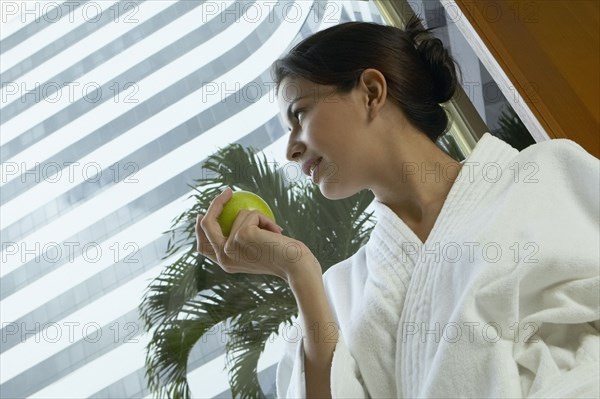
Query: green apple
[[238, 201]]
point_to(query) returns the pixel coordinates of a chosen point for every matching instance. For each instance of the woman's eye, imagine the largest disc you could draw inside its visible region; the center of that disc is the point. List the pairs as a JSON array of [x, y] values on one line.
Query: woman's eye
[[297, 115]]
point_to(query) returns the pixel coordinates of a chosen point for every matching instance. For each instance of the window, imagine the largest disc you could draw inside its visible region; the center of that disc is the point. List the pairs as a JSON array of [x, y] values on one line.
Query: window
[[479, 106]]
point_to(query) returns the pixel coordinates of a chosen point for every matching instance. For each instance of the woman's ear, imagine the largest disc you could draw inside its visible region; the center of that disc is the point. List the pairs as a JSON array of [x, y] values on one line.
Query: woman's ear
[[374, 88]]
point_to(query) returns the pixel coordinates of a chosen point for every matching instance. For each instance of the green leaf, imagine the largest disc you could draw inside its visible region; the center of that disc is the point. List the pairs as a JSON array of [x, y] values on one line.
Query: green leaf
[[192, 295]]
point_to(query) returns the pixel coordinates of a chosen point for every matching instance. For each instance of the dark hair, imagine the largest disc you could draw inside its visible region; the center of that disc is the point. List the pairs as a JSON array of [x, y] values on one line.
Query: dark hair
[[419, 71]]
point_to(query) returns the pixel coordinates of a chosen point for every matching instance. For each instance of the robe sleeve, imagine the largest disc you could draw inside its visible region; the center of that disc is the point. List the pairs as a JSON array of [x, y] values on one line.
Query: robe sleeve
[[290, 371], [346, 381], [562, 360], [560, 297]]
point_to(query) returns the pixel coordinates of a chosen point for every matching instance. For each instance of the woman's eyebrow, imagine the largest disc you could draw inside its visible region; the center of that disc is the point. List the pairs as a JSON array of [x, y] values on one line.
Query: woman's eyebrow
[[289, 110]]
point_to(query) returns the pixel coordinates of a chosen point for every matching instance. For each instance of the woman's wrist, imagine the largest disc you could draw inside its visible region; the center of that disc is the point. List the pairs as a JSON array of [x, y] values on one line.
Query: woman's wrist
[[300, 264], [304, 273]]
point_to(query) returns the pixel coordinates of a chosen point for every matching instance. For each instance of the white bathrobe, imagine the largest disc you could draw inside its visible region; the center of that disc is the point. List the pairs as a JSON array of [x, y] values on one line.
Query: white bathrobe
[[502, 300]]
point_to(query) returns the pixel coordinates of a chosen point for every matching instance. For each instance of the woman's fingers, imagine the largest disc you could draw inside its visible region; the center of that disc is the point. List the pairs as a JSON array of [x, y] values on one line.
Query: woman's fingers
[[202, 244], [269, 224], [207, 227], [254, 218], [247, 246], [209, 224]]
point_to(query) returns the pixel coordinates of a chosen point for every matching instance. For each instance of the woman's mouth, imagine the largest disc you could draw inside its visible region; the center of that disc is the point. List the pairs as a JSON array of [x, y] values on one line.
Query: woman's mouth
[[313, 170]]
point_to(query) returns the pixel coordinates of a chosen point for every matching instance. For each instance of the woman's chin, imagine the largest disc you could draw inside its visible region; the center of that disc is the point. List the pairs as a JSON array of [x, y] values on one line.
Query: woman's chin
[[334, 191]]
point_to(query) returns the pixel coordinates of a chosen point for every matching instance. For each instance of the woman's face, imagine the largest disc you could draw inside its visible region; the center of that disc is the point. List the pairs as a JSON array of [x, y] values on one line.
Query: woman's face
[[328, 130]]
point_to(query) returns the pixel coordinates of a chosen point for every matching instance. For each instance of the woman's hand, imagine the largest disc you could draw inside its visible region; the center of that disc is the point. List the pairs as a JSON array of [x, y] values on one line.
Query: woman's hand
[[255, 244]]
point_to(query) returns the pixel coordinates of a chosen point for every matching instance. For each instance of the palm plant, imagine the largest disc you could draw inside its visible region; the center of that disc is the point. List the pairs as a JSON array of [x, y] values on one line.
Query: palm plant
[[193, 295], [512, 130]]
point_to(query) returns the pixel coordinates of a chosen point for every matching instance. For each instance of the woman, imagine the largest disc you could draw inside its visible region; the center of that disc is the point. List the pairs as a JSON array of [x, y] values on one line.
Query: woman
[[480, 279]]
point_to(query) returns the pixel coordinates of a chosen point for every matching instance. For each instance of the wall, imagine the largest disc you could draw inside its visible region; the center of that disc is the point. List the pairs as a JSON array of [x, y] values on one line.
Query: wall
[[550, 52]]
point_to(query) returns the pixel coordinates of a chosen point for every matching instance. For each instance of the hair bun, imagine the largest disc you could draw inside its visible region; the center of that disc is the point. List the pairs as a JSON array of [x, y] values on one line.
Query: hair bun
[[439, 62], [441, 66]]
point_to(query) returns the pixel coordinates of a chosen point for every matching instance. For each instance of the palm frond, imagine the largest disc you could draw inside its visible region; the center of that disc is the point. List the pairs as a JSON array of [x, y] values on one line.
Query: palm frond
[[512, 130], [193, 295]]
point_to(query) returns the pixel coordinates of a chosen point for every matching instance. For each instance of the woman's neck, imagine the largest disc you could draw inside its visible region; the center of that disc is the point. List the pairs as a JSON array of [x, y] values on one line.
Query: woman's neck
[[414, 180]]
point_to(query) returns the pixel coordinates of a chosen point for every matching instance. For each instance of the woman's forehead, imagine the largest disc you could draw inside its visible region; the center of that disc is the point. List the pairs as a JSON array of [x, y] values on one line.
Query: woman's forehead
[[293, 88]]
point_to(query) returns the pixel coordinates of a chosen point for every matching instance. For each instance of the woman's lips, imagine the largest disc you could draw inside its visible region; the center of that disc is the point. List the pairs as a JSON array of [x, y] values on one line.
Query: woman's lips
[[314, 170], [308, 166]]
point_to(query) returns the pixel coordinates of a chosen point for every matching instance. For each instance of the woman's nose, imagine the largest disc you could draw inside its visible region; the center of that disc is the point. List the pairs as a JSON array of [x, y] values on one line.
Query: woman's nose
[[295, 149]]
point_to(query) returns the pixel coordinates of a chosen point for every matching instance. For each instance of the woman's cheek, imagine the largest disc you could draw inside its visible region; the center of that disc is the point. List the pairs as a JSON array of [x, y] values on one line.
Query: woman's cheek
[[329, 172]]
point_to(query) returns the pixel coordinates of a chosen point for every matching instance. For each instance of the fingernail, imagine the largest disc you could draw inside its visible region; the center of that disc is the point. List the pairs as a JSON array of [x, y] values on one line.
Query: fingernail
[[225, 189]]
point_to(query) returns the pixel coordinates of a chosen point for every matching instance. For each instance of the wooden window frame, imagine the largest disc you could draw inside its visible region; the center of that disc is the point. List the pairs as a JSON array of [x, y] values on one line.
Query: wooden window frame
[[516, 50]]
